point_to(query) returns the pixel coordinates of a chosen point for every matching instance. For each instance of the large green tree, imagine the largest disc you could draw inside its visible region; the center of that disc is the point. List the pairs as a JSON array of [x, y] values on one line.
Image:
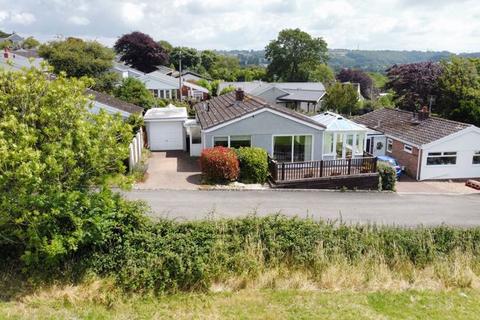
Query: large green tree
[[56, 158], [134, 91], [294, 54], [189, 56], [77, 58], [341, 98], [459, 90]]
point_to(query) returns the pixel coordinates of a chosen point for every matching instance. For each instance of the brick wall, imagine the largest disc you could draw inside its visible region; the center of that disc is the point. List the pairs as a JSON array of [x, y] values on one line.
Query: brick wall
[[408, 160]]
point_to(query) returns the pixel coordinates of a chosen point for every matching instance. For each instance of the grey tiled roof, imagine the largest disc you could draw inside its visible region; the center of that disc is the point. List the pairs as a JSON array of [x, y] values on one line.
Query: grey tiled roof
[[114, 102], [225, 108], [399, 124], [302, 95]]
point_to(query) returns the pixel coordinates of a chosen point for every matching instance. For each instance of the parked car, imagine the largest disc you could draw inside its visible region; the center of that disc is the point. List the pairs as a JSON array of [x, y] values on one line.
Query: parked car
[[392, 162]]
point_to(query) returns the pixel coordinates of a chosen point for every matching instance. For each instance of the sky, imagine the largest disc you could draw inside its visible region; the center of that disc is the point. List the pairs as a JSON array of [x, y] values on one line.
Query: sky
[[452, 25]]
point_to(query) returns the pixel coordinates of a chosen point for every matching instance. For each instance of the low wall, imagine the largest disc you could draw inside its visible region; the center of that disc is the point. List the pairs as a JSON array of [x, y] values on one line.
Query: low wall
[[367, 181]]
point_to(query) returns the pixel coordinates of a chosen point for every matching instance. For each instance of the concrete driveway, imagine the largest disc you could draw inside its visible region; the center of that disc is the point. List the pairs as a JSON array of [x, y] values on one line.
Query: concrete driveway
[[409, 185], [352, 207], [174, 170]]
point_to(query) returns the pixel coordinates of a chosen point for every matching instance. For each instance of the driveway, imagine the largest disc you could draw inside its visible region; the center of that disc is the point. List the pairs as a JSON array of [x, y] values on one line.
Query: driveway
[[351, 207], [409, 185], [171, 170]]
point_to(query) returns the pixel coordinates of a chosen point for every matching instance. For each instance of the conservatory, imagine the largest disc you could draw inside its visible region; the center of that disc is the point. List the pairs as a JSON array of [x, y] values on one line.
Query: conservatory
[[342, 138]]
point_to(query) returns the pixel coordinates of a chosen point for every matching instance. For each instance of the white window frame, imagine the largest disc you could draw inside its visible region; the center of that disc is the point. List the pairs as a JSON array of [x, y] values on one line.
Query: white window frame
[[229, 138], [475, 154], [408, 148], [441, 155], [389, 146], [293, 143]]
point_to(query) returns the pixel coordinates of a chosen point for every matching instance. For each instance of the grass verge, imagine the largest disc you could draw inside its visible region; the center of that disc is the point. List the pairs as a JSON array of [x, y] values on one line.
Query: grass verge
[[252, 304]]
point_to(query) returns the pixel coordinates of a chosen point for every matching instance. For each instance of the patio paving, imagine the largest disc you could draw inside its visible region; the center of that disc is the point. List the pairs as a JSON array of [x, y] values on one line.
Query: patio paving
[[171, 170], [409, 185]]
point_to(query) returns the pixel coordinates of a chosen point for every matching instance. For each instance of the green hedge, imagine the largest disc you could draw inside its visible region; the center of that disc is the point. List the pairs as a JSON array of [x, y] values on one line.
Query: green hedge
[[168, 255], [388, 177], [253, 165]]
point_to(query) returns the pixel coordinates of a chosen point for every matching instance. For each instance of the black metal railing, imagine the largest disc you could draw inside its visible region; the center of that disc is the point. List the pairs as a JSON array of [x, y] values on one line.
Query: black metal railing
[[288, 171]]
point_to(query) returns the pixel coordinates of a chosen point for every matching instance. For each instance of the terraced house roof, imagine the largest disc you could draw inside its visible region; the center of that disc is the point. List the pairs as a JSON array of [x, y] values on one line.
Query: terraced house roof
[[405, 126], [225, 108]]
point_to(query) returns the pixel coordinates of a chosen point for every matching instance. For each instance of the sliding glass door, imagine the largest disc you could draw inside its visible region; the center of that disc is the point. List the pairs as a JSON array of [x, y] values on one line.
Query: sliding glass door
[[292, 148], [282, 148]]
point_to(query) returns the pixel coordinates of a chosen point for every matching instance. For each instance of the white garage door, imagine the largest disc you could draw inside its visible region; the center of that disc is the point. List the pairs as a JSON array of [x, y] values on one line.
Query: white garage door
[[166, 135]]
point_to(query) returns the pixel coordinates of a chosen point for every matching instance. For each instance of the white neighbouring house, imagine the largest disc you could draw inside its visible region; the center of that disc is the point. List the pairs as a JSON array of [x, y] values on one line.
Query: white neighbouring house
[[430, 148], [167, 87]]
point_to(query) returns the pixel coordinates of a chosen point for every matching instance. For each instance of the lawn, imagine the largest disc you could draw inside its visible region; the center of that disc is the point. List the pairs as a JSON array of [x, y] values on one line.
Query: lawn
[[258, 304]]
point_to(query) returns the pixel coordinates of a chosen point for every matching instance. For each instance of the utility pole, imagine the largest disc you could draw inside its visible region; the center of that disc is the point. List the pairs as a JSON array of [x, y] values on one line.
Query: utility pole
[[180, 75]]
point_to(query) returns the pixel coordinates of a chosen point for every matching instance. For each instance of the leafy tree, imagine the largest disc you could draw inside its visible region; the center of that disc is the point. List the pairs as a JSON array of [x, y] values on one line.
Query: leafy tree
[[459, 90], [140, 51], [322, 73], [379, 79], [413, 84], [6, 44], [214, 85], [293, 54], [167, 46], [357, 76], [107, 82], [251, 73], [341, 98], [190, 57], [225, 68], [208, 59], [134, 91], [30, 43], [227, 90], [204, 83], [77, 58], [57, 159]]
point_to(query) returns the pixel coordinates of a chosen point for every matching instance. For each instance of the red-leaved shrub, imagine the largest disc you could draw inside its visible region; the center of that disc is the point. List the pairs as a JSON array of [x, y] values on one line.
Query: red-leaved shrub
[[219, 164]]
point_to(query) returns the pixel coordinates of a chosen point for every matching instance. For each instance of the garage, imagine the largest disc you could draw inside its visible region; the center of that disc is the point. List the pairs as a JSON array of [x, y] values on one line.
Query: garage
[[165, 129]]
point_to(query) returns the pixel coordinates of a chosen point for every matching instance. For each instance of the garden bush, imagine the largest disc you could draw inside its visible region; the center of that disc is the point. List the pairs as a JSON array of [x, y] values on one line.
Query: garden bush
[[388, 177], [219, 165], [253, 165]]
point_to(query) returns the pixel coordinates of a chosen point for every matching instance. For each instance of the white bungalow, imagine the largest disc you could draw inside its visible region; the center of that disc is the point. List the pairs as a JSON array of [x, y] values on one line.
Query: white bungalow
[[343, 138]]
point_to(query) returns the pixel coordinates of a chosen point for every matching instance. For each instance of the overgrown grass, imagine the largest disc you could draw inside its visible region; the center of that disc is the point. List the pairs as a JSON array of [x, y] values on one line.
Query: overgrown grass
[[74, 303]]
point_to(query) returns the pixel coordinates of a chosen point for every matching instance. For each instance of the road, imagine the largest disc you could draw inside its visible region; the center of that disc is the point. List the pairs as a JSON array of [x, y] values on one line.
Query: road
[[351, 207]]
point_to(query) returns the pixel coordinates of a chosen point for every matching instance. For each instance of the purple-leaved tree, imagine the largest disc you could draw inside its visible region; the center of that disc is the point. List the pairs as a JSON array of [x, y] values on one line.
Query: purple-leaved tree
[[140, 51], [414, 83]]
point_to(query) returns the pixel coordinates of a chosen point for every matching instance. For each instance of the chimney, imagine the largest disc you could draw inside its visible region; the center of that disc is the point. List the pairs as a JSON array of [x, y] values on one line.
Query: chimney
[[423, 114], [239, 94]]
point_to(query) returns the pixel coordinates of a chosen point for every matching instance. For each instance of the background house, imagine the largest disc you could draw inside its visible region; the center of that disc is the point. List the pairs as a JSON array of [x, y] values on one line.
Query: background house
[[429, 147], [112, 105], [18, 59], [14, 38], [299, 96]]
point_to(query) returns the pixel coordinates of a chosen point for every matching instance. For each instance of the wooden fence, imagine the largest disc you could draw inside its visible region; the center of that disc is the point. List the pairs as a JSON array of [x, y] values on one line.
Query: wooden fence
[[136, 148], [294, 171]]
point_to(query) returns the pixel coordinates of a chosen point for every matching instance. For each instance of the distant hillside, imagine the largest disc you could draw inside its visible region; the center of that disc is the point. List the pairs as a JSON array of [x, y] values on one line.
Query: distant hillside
[[368, 60]]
